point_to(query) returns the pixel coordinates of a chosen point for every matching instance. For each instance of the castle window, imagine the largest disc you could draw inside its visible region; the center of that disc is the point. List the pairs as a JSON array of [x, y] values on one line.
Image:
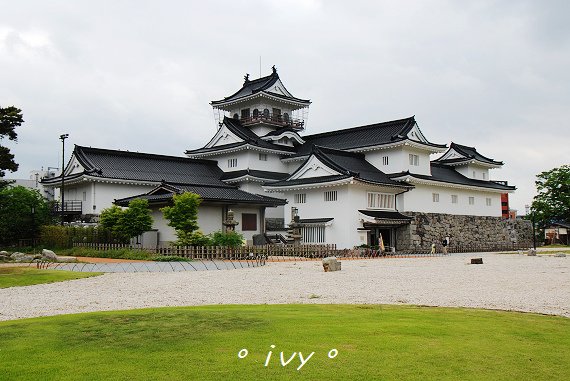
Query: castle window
[[256, 113], [454, 199], [277, 114], [236, 116], [313, 234], [380, 200], [474, 175], [300, 198], [248, 221], [414, 160], [286, 117], [484, 176], [488, 200], [266, 113], [330, 196], [384, 160], [435, 197], [232, 163], [245, 113], [263, 157], [471, 200]]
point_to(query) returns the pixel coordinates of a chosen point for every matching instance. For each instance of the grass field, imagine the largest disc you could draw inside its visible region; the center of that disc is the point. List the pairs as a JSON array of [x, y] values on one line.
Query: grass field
[[371, 343], [27, 276]]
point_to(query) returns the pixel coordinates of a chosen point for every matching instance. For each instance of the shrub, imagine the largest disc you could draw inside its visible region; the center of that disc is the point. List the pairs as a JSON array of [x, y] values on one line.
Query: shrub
[[231, 238]]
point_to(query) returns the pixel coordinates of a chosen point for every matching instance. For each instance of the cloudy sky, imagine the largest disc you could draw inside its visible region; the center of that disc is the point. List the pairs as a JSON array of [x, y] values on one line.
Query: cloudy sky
[[139, 75]]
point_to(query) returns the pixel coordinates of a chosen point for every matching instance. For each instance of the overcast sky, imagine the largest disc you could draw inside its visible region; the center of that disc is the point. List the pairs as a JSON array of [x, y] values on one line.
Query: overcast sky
[[139, 75]]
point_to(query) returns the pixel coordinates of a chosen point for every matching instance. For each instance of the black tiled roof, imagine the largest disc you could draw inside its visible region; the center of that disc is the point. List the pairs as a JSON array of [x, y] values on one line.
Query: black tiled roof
[[248, 136], [315, 220], [223, 194], [311, 180], [254, 173], [125, 165], [445, 174], [364, 136], [385, 214], [469, 153], [282, 130], [255, 86], [348, 164]]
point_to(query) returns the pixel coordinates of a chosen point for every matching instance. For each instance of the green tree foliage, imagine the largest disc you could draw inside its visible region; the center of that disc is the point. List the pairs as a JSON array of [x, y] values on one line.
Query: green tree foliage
[[230, 238], [127, 223], [17, 222], [552, 202], [136, 219], [183, 217], [10, 118]]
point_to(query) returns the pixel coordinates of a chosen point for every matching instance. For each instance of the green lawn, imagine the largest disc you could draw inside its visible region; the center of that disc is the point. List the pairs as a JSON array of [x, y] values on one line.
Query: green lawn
[[26, 276], [202, 343]]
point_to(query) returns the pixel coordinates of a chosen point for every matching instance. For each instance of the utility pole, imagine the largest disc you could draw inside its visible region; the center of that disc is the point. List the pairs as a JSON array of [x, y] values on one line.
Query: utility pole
[[63, 137]]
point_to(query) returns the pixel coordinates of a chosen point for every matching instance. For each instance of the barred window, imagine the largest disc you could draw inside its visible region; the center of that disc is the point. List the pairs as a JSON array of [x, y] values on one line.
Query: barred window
[[380, 200], [414, 160], [330, 196], [232, 163], [313, 234], [300, 198], [263, 156], [471, 200], [454, 199], [488, 200], [435, 197], [384, 160]]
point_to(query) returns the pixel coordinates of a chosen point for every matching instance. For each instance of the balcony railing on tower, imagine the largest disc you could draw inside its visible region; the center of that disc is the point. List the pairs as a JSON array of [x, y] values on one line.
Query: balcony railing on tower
[[282, 120], [69, 207]]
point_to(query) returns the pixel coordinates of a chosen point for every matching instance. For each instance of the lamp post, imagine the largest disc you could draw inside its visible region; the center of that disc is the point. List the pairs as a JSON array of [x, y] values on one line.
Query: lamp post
[[33, 210], [532, 221], [62, 138]]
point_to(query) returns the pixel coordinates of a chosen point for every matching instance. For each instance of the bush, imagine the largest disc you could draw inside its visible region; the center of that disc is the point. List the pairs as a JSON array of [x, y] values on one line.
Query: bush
[[61, 237], [231, 238], [196, 238]]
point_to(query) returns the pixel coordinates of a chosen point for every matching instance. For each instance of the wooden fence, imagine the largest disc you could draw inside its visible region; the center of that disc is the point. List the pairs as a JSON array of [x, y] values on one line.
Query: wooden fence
[[291, 252]]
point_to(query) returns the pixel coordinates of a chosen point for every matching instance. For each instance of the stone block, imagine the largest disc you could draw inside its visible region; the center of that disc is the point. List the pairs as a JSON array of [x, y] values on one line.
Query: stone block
[[531, 252], [49, 255], [331, 264], [476, 261]]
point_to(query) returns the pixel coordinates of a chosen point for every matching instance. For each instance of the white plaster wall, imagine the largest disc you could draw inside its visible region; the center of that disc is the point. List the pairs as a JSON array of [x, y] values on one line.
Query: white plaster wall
[[256, 188], [238, 210], [420, 199], [101, 195], [209, 221], [399, 160], [250, 159], [467, 171]]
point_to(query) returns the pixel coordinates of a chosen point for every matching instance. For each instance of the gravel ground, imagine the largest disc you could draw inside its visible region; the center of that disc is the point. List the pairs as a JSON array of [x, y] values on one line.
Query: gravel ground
[[506, 282]]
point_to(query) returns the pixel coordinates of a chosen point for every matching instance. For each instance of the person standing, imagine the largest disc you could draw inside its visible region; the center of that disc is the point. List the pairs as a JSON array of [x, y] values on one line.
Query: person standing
[[445, 243]]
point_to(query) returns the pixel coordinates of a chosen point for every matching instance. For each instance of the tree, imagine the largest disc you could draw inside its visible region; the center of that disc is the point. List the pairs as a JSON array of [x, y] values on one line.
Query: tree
[[552, 202], [183, 217], [136, 219], [127, 223], [22, 212], [109, 219], [10, 118]]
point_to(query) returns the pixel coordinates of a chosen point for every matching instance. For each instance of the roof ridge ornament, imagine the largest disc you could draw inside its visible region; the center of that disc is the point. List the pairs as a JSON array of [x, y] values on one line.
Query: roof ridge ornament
[[274, 69], [246, 78]]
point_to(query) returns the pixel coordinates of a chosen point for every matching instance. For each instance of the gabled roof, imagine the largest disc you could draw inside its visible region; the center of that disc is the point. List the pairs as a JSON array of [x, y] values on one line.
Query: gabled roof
[[364, 136], [252, 173], [459, 154], [263, 84], [347, 165], [445, 174], [135, 166], [248, 137], [218, 194]]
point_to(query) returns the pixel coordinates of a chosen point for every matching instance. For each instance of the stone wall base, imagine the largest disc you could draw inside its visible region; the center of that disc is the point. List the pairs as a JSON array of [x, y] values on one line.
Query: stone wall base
[[477, 232]]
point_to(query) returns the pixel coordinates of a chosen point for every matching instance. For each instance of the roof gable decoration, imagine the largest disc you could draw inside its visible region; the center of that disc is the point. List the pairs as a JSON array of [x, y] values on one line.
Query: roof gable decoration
[[223, 137], [74, 166], [416, 134], [313, 167], [458, 154], [292, 136]]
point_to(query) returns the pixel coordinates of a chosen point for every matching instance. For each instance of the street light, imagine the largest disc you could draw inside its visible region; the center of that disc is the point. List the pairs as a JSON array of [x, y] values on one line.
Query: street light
[[533, 232], [62, 138]]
